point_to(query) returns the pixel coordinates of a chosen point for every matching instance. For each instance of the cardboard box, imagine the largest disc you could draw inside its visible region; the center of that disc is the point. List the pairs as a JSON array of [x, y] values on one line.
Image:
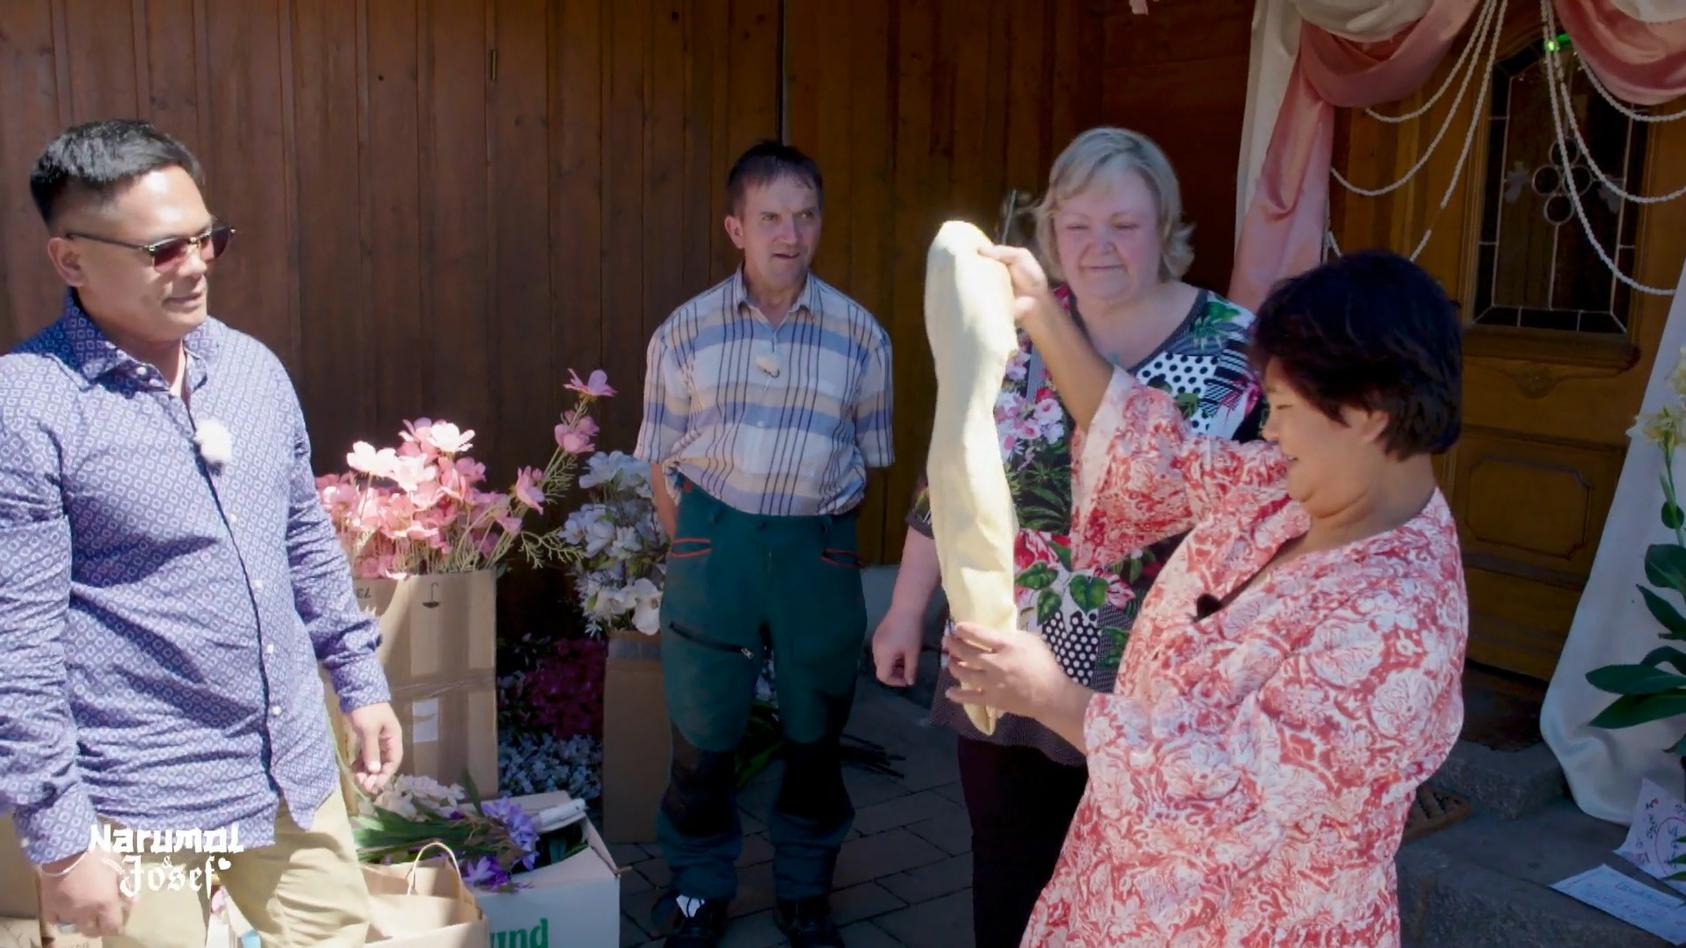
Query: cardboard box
[[575, 903], [439, 649], [637, 740]]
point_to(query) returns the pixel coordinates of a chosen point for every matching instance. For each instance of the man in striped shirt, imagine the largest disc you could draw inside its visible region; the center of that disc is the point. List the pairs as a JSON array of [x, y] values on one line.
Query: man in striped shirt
[[766, 399]]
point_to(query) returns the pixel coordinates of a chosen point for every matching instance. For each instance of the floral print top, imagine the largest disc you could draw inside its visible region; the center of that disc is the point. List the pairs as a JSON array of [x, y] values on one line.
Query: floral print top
[[1250, 776], [1086, 614]]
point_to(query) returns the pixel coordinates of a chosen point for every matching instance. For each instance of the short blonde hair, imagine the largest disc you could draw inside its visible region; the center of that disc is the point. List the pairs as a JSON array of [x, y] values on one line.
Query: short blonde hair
[[1116, 150]]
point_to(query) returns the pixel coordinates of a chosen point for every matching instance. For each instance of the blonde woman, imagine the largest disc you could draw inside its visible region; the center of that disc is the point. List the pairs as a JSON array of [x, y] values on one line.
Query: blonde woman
[[1110, 229]]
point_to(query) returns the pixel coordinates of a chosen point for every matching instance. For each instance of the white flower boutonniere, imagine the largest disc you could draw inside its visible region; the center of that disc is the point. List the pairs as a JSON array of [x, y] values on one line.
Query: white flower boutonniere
[[216, 445]]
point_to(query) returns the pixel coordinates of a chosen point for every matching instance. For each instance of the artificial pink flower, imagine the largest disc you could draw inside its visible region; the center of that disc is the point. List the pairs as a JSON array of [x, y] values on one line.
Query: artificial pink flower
[[394, 514], [487, 505], [472, 471], [415, 432], [596, 387], [481, 500], [429, 494], [366, 460], [529, 487], [446, 438], [510, 525], [574, 435], [451, 482], [409, 472]]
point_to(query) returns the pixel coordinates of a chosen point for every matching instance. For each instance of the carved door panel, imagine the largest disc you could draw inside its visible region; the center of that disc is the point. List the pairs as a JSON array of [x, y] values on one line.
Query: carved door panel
[[1558, 351]]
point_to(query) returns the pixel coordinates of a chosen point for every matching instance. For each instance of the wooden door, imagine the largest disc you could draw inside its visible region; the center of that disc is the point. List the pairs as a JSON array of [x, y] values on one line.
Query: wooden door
[[1557, 353]]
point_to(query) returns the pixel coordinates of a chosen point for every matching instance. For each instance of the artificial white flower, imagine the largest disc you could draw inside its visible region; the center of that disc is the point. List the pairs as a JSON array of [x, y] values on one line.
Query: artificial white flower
[[1677, 378], [216, 445], [647, 606], [647, 619]]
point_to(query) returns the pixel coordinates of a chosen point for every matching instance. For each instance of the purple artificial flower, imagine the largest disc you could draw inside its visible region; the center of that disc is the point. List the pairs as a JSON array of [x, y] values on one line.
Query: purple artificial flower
[[483, 872], [522, 830]]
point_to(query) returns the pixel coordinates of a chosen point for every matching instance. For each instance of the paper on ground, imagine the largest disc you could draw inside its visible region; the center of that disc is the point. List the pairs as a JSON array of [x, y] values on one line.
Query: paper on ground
[[1654, 834], [969, 321], [1630, 900]]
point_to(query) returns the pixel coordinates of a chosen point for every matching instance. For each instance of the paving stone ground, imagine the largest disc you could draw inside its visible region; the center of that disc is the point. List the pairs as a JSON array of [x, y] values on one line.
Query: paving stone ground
[[904, 877]]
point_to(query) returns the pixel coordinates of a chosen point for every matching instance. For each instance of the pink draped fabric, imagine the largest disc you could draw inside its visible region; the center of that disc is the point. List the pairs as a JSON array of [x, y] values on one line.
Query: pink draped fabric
[[1283, 231], [1643, 63]]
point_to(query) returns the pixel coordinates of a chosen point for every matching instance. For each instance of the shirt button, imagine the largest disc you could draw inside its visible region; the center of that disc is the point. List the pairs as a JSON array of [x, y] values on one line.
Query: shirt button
[[257, 584], [275, 709], [269, 649], [233, 519]]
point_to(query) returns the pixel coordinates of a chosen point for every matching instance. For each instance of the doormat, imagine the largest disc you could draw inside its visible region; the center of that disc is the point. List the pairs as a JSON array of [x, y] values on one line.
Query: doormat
[[1432, 811]]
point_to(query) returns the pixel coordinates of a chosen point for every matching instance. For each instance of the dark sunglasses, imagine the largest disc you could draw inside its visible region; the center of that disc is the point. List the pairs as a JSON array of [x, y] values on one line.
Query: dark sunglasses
[[169, 252]]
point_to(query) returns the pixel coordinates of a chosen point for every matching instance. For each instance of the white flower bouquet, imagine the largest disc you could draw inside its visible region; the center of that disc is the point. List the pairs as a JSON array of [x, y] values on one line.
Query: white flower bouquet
[[618, 562]]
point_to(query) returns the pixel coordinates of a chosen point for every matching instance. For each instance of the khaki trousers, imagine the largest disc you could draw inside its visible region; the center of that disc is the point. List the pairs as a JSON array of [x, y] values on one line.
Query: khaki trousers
[[306, 888]]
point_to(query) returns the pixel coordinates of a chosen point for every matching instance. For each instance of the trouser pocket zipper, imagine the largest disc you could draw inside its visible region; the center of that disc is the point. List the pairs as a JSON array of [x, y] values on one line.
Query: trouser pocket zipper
[[696, 639]]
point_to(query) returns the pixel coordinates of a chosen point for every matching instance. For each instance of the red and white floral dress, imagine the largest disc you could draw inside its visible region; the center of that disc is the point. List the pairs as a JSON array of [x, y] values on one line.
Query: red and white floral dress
[[1250, 776]]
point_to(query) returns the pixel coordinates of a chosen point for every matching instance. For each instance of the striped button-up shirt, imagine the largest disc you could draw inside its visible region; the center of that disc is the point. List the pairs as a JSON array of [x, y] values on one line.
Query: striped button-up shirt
[[162, 615], [781, 420]]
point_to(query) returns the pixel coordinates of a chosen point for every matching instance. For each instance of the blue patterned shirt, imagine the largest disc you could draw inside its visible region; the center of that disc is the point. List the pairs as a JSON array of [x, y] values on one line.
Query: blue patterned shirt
[[162, 617], [782, 420]]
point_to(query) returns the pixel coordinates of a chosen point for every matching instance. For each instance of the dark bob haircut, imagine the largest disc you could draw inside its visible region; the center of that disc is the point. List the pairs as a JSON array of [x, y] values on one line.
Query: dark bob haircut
[[1371, 331], [90, 162], [764, 163]]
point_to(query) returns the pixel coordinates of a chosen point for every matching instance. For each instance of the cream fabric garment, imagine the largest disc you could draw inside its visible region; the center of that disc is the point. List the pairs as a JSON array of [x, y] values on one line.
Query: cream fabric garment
[[969, 320], [1612, 626], [1276, 41], [1652, 11]]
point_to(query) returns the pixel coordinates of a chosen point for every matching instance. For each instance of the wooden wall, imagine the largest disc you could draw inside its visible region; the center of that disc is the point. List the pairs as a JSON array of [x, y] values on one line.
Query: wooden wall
[[1190, 96], [445, 204], [931, 111]]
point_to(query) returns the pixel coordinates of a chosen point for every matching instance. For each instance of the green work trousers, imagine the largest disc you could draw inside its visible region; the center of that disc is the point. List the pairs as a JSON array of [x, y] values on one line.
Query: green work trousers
[[741, 587]]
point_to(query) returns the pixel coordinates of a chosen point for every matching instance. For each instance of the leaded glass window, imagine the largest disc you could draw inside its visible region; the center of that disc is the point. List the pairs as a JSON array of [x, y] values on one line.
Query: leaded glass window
[[1536, 268]]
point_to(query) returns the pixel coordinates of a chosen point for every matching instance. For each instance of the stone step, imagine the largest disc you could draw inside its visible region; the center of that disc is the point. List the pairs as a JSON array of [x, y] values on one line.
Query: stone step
[[1486, 881], [1505, 784]]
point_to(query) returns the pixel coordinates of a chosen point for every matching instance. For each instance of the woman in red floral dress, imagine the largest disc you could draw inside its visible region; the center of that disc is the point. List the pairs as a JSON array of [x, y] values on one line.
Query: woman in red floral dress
[[1293, 675]]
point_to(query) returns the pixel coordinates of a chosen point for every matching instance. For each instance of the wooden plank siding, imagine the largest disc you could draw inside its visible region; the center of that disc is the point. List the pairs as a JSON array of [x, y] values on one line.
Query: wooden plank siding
[[445, 204], [919, 112]]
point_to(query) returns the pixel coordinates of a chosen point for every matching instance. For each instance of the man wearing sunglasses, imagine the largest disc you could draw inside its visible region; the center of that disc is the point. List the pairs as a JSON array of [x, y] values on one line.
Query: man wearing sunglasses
[[169, 583]]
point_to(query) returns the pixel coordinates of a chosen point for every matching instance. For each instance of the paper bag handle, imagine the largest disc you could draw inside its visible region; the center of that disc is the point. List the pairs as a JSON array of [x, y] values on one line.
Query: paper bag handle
[[410, 877]]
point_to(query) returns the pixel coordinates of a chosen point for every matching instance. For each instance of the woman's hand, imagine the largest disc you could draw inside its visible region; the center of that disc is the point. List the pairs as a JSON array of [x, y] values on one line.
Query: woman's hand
[[1013, 671], [1017, 673], [1032, 297]]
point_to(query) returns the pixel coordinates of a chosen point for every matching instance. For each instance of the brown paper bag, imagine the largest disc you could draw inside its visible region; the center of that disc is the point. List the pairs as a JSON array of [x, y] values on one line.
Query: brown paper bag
[[19, 932], [17, 876], [424, 904], [636, 737], [439, 650]]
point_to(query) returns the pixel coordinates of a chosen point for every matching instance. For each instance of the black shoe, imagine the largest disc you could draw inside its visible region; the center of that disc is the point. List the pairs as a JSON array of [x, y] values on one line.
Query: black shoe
[[701, 928], [807, 923]]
